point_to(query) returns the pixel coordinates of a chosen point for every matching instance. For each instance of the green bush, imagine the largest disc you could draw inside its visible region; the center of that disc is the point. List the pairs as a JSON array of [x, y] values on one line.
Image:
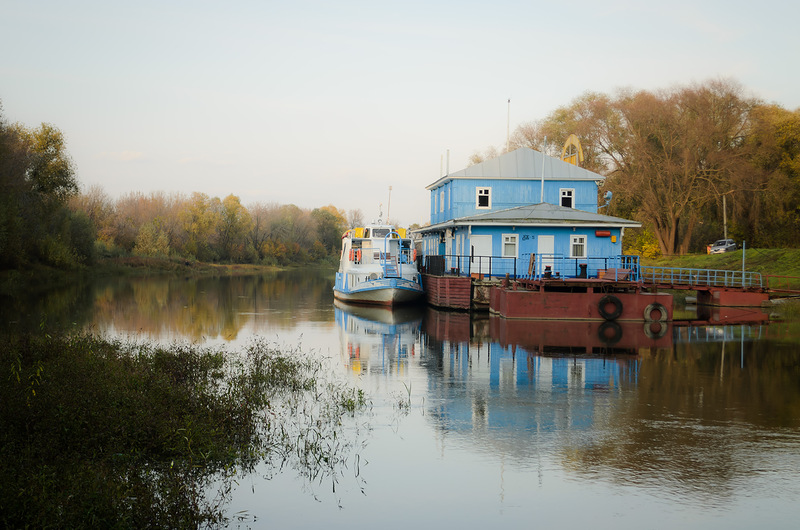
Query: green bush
[[97, 433]]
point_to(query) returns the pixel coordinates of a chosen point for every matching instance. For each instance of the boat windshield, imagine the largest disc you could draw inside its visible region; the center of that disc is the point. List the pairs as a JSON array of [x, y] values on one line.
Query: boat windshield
[[380, 232]]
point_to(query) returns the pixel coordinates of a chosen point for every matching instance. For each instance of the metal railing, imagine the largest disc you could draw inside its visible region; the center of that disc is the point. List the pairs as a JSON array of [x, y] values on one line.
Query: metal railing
[[458, 265], [678, 276], [616, 268], [534, 266], [782, 284]]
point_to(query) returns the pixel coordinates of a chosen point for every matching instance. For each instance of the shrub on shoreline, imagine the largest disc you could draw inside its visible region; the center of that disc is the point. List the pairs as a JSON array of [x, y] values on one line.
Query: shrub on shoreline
[[95, 432]]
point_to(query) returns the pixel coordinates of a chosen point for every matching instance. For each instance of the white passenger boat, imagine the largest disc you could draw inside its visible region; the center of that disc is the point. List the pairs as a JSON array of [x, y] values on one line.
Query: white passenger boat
[[377, 266]]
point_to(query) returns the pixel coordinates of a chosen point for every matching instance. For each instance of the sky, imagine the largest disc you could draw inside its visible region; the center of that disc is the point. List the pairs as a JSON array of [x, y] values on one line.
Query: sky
[[335, 102]]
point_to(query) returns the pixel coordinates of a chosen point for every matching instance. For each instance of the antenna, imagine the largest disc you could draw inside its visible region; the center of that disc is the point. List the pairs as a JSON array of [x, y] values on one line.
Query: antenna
[[541, 199], [389, 205], [508, 126]]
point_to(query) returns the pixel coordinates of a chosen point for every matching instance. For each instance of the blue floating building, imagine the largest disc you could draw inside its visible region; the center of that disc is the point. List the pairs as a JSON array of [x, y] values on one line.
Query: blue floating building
[[523, 214]]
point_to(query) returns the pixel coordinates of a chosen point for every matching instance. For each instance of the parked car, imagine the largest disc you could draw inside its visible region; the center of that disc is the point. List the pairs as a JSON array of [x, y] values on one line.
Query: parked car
[[722, 245]]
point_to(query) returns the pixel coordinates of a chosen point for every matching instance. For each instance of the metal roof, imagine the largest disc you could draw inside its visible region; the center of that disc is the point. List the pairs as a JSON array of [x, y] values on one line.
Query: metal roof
[[541, 214], [522, 163]]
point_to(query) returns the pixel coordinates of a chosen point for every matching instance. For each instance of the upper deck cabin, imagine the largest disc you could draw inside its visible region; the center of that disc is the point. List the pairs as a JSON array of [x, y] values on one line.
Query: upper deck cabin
[[511, 180]]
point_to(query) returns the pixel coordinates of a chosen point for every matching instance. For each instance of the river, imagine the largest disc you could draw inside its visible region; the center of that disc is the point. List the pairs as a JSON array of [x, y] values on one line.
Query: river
[[476, 421]]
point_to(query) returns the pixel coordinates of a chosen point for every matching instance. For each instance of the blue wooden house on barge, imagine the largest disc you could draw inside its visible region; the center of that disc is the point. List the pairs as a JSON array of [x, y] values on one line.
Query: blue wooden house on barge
[[527, 217]]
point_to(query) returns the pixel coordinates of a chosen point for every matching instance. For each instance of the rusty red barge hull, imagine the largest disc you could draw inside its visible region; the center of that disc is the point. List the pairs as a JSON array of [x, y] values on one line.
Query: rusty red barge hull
[[580, 300], [452, 292]]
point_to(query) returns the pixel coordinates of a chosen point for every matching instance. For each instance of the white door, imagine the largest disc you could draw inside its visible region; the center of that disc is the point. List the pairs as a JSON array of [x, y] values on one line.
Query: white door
[[546, 247], [480, 253]]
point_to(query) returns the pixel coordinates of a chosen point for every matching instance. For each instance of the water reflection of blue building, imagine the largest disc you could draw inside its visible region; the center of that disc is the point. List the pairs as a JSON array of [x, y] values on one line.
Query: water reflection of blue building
[[486, 383]]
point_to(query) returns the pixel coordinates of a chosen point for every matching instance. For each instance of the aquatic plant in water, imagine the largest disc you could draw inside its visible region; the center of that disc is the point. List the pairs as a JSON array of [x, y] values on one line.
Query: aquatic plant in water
[[97, 432]]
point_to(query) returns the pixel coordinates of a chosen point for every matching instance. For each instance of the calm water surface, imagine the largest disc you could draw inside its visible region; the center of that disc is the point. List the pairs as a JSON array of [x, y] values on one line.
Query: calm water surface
[[480, 421]]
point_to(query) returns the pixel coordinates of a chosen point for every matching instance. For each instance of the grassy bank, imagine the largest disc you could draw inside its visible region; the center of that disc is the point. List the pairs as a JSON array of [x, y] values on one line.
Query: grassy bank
[[780, 262], [98, 433]]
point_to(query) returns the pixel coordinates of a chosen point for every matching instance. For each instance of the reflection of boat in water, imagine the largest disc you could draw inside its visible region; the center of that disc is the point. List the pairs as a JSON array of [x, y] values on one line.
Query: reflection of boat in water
[[377, 338], [377, 266]]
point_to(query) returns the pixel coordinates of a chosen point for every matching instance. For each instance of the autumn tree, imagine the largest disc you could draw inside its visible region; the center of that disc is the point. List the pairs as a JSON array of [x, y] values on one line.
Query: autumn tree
[[258, 234], [234, 222], [37, 178], [199, 219], [97, 205], [669, 156], [331, 223], [151, 240], [767, 211], [355, 218], [682, 151]]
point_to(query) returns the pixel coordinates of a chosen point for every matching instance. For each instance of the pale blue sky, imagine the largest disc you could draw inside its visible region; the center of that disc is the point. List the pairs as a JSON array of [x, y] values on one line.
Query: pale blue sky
[[315, 103]]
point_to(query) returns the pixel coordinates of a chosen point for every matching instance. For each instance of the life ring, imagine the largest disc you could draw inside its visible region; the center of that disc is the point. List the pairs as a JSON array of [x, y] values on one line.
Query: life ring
[[610, 299], [656, 333], [653, 308], [358, 255], [414, 255], [351, 254], [603, 332]]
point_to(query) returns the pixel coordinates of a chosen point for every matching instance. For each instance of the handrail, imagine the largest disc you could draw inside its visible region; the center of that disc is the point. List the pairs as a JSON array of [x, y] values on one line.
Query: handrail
[[701, 277], [617, 268], [614, 268], [385, 255], [783, 284]]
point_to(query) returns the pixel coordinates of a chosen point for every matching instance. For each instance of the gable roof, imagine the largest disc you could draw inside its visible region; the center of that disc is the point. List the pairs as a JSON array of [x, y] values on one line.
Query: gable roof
[[522, 163], [541, 214]]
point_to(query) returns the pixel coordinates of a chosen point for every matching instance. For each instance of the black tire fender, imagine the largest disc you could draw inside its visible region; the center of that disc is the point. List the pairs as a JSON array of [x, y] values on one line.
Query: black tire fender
[[610, 299], [652, 308]]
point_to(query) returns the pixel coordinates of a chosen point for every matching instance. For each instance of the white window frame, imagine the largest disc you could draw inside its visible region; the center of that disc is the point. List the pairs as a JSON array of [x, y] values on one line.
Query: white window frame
[[510, 239], [566, 192], [441, 200], [483, 192], [578, 239]]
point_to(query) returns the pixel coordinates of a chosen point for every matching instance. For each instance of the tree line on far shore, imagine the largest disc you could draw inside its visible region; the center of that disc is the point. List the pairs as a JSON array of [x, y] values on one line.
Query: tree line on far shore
[[46, 219], [685, 162], [211, 229]]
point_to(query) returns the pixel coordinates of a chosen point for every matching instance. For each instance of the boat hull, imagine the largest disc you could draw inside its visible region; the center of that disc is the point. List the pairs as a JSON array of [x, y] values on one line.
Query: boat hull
[[385, 291]]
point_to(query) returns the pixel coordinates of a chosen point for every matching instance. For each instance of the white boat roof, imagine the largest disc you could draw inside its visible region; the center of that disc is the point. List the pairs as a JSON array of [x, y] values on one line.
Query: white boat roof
[[524, 164]]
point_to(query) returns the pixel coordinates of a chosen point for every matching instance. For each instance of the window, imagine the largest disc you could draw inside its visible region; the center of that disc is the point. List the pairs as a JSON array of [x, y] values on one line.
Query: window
[[577, 248], [509, 245], [441, 201], [567, 197], [483, 198]]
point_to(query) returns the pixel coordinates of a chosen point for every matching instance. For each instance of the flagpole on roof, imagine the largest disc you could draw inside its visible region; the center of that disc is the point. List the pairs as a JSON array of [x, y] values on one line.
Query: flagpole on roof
[[508, 126]]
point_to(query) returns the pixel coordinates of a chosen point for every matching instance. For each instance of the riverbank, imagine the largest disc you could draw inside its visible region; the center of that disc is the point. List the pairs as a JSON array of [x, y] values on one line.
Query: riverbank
[[41, 278], [773, 261]]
